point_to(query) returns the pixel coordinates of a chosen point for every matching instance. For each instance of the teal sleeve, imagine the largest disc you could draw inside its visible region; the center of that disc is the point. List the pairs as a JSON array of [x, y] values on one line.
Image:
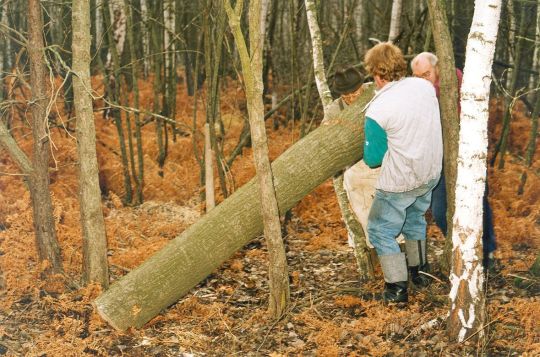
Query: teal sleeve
[[375, 143]]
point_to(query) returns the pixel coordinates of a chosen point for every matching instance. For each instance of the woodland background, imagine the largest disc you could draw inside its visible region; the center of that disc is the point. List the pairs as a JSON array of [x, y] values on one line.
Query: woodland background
[[160, 70]]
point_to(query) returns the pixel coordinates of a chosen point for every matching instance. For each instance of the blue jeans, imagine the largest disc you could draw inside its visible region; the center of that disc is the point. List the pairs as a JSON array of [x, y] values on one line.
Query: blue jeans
[[438, 209], [398, 212]]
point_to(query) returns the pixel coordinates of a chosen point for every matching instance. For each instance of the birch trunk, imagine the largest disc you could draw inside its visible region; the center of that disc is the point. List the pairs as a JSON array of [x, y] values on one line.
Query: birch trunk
[[395, 20], [360, 31], [46, 241], [354, 228], [95, 266], [252, 69], [466, 295], [318, 58]]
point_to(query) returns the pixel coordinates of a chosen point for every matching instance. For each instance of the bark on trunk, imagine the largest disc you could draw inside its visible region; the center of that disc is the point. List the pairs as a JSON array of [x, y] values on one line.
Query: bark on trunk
[[185, 261], [318, 57], [536, 53], [47, 244], [208, 170], [501, 147], [354, 228], [95, 266], [252, 71], [466, 295], [449, 111], [15, 152], [395, 24]]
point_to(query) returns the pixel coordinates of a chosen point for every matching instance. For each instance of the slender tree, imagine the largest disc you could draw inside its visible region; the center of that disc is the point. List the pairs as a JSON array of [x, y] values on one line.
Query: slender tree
[[131, 27], [510, 99], [466, 295], [252, 69], [46, 241], [354, 228], [449, 109], [536, 52], [93, 227], [531, 147], [395, 20], [208, 169]]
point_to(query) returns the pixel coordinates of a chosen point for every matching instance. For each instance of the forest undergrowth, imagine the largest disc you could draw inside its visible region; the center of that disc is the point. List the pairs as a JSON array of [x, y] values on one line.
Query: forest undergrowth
[[226, 313]]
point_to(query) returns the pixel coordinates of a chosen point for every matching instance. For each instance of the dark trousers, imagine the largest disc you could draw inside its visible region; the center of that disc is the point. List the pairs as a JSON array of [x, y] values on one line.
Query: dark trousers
[[438, 209]]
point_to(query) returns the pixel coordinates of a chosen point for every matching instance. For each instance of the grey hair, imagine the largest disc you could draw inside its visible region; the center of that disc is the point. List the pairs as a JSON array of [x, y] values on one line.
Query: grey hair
[[433, 60]]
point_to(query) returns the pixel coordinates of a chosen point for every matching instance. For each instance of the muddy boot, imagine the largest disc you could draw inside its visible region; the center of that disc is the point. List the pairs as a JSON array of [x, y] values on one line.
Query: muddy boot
[[417, 261], [394, 268]]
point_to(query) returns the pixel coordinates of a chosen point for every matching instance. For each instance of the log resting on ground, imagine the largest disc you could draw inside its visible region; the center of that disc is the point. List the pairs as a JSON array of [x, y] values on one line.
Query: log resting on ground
[[189, 258]]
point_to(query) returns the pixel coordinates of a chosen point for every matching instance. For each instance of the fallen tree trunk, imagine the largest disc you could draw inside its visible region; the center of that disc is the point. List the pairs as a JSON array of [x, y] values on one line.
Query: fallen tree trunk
[[170, 273]]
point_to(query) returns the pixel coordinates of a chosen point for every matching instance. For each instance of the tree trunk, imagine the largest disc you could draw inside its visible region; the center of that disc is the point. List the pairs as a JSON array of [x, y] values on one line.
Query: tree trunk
[[449, 111], [208, 170], [197, 252], [536, 53], [133, 44], [510, 101], [113, 85], [531, 147], [95, 266], [156, 41], [354, 228], [318, 56], [252, 70], [213, 51], [47, 244], [15, 152], [466, 295], [395, 24]]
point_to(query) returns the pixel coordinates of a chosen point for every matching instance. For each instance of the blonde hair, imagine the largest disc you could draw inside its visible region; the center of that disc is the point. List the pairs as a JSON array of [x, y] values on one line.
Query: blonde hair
[[386, 61]]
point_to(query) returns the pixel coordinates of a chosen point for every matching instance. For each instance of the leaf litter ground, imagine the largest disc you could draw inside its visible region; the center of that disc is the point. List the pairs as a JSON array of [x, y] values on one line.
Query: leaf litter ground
[[226, 313]]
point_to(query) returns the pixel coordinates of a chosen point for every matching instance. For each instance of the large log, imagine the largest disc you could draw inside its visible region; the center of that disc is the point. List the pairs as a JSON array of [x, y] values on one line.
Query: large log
[[170, 273]]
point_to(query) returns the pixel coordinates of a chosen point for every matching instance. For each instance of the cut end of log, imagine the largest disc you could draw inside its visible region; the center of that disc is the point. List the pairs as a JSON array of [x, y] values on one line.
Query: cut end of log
[[100, 310]]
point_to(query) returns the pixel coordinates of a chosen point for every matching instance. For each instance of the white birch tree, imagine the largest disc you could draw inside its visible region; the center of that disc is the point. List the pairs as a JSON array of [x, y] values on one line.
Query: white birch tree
[[318, 58], [395, 20], [466, 295], [354, 228]]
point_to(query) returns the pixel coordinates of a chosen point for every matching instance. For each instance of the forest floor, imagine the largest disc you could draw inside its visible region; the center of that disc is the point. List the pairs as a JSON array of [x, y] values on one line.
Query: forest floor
[[226, 313]]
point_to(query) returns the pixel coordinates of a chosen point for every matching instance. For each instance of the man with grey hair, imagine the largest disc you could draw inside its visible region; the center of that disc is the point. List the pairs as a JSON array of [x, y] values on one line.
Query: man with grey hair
[[425, 65]]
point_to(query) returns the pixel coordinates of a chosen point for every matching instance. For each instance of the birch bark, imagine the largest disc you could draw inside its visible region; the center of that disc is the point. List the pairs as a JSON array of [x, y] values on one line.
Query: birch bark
[[318, 58], [466, 295], [395, 21], [354, 228]]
